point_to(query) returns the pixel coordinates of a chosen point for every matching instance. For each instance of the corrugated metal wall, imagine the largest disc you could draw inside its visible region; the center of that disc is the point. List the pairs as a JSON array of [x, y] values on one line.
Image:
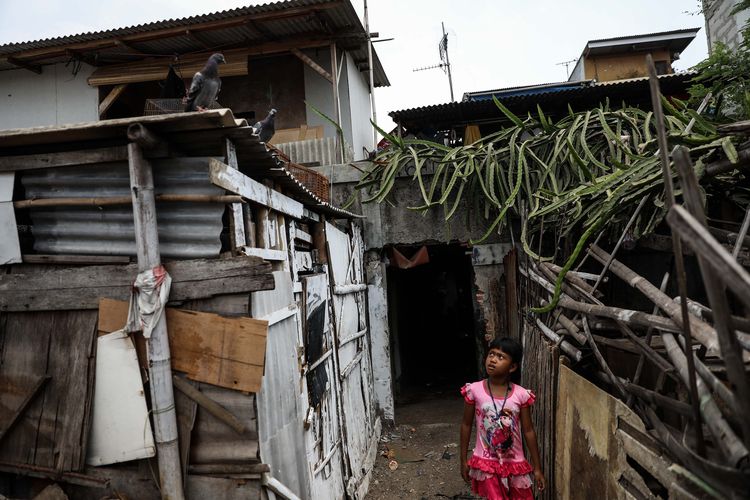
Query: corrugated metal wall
[[312, 150], [186, 230]]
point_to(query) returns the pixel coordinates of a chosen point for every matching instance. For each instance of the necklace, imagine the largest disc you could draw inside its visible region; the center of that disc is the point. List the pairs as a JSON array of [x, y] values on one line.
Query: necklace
[[507, 391], [508, 442]]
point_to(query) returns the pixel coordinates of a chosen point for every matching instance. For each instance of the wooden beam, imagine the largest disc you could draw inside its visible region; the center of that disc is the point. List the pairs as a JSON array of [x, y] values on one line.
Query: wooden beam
[[124, 200], [237, 234], [108, 101], [77, 288], [24, 65], [67, 158], [315, 66], [209, 405], [232, 180]]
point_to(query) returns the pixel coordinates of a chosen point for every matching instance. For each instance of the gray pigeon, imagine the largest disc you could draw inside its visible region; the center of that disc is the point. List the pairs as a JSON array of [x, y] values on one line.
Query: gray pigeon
[[206, 85], [265, 128]]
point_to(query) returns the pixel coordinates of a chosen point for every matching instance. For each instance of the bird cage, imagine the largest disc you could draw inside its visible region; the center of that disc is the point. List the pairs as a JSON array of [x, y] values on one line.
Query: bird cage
[[168, 106]]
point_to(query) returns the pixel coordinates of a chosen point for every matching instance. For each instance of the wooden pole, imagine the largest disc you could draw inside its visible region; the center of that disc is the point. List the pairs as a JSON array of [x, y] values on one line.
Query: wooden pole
[[160, 369], [714, 278], [337, 101], [701, 330], [676, 246], [510, 263]]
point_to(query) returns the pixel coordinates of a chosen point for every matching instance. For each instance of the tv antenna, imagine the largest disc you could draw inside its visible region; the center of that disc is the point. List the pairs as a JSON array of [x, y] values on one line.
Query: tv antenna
[[566, 64], [445, 63]]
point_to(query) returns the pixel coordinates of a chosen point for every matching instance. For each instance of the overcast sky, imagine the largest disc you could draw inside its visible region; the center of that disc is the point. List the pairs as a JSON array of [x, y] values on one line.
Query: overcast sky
[[492, 43]]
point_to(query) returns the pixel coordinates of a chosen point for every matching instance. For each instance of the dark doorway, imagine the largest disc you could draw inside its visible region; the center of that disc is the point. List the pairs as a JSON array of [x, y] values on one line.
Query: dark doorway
[[431, 315]]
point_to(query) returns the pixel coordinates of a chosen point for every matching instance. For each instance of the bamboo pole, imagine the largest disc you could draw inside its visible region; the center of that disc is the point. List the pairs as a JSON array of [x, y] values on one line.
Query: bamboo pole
[[715, 279], [702, 331], [729, 443], [676, 245], [160, 370], [124, 200], [566, 346], [649, 334]]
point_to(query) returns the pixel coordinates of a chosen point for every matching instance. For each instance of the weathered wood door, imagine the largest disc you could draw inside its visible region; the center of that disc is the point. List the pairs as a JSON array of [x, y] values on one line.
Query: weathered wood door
[[323, 436], [353, 362]]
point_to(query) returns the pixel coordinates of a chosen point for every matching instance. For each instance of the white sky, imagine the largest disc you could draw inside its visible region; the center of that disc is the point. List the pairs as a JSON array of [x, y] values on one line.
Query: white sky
[[492, 43]]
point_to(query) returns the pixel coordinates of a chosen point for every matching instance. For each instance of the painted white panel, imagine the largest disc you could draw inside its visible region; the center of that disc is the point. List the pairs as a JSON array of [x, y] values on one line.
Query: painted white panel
[[10, 250], [120, 427], [360, 109], [55, 97]]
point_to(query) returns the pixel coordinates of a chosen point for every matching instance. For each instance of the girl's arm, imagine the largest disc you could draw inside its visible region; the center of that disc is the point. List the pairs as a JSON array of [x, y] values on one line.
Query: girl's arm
[[466, 423], [529, 435]]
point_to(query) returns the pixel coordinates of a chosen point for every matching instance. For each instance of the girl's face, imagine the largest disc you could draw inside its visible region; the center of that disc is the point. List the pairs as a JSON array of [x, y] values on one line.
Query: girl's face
[[499, 363]]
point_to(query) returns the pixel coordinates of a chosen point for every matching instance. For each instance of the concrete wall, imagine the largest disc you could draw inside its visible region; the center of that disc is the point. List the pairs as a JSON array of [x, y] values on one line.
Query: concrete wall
[[720, 25], [622, 66], [55, 97]]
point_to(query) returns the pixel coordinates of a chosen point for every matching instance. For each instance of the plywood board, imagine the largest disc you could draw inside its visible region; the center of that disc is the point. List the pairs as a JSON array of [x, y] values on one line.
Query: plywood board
[[120, 426], [227, 352]]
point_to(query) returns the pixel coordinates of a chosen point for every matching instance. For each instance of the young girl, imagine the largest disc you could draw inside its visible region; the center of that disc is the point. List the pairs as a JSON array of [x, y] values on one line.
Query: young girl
[[498, 468]]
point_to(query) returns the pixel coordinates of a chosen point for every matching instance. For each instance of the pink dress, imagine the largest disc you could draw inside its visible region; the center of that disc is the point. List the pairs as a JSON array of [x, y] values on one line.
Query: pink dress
[[498, 467]]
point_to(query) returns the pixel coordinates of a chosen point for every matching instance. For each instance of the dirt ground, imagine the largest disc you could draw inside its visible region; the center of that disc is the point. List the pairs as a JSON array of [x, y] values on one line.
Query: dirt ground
[[424, 444]]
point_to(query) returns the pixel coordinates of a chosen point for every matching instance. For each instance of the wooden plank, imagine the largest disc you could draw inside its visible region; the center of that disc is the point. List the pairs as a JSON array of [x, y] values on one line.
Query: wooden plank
[[82, 287], [209, 405], [280, 315], [265, 253], [63, 159], [10, 420], [53, 432], [236, 214], [111, 98], [315, 66], [227, 352], [224, 176]]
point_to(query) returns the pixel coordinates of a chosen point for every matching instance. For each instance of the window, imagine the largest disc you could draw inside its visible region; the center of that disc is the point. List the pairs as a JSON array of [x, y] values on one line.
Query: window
[[662, 67]]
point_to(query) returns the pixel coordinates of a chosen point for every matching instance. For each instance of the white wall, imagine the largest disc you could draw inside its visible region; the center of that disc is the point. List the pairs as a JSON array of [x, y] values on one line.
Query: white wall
[[361, 111], [354, 97], [318, 91], [55, 97]]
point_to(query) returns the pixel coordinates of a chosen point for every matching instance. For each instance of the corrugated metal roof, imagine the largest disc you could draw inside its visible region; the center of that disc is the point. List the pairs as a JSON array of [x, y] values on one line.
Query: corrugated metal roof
[[635, 91], [326, 19], [189, 134], [684, 31], [525, 90]]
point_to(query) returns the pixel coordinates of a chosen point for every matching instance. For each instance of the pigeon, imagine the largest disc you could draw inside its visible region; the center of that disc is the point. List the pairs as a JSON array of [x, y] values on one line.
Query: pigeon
[[265, 128], [206, 85]]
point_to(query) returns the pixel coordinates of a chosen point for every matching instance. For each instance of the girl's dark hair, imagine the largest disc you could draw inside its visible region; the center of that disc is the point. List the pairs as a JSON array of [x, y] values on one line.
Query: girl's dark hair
[[512, 348]]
